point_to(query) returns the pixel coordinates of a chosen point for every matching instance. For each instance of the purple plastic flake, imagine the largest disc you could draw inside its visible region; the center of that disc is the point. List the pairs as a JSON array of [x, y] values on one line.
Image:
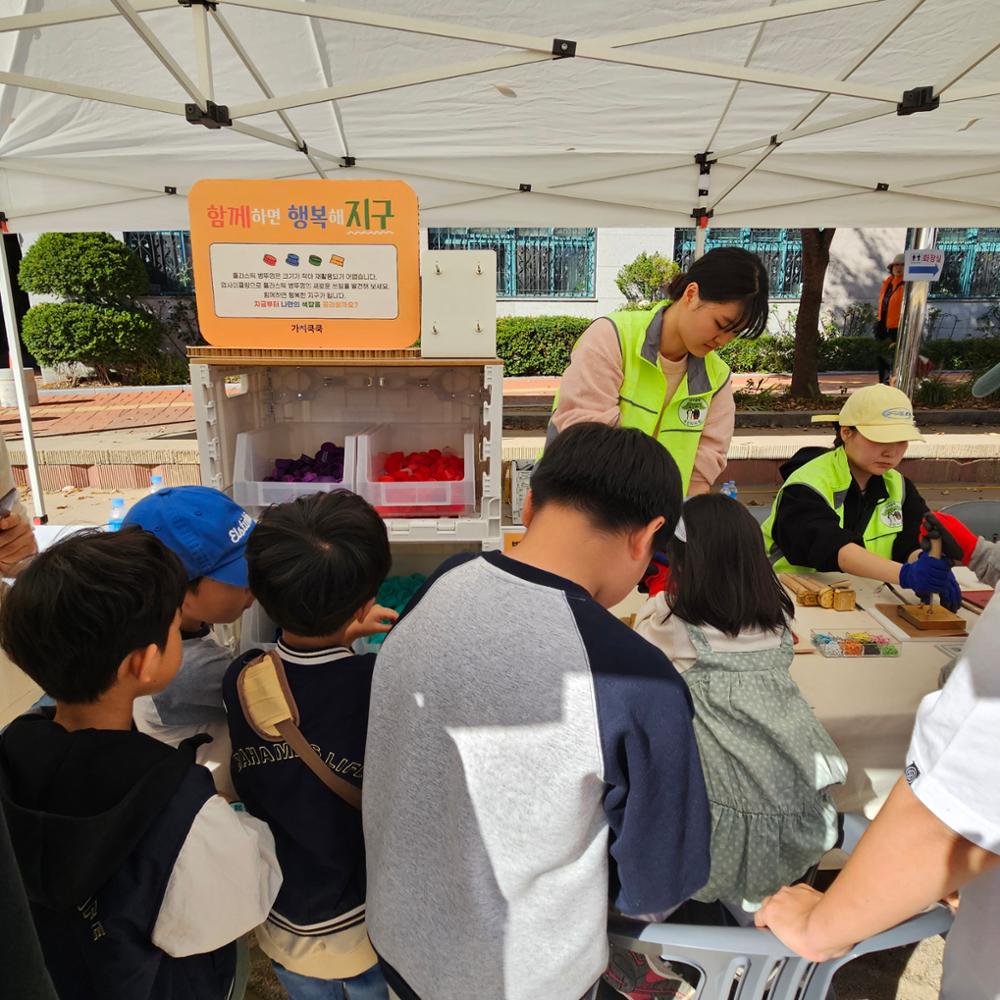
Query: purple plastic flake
[[327, 466]]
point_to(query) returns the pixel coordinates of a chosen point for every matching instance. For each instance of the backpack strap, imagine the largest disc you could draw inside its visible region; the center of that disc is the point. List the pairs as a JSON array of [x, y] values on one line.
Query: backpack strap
[[270, 709]]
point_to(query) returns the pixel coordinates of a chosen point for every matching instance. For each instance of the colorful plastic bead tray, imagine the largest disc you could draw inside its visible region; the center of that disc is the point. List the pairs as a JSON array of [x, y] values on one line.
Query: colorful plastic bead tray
[[844, 642]]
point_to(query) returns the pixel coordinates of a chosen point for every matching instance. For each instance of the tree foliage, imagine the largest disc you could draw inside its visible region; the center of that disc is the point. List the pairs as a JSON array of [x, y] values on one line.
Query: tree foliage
[[645, 280], [100, 323]]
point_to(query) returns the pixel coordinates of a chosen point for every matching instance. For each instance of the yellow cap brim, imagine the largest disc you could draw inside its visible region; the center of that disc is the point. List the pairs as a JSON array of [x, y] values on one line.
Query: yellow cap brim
[[889, 433], [824, 418]]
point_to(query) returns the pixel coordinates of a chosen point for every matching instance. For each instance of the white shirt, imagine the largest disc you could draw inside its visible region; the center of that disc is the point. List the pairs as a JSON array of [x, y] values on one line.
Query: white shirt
[[951, 766]]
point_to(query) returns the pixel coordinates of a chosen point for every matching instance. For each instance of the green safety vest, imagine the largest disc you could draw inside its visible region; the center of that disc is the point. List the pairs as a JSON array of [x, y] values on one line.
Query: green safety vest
[[830, 476], [642, 397]]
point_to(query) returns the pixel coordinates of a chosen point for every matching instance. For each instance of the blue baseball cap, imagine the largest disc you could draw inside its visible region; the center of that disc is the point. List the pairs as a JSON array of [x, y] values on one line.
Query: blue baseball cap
[[202, 527]]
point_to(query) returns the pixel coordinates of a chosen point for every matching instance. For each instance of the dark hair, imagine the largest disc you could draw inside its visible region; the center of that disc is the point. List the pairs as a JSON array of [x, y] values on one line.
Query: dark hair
[[721, 575], [80, 607], [621, 478], [730, 274], [315, 561]]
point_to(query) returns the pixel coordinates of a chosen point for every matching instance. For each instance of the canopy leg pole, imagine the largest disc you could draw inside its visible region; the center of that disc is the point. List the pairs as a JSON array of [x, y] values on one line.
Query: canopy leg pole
[[17, 367], [912, 316]]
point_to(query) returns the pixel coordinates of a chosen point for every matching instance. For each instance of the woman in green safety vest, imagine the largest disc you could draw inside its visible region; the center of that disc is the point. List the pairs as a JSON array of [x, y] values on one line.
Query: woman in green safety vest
[[849, 508], [658, 370]]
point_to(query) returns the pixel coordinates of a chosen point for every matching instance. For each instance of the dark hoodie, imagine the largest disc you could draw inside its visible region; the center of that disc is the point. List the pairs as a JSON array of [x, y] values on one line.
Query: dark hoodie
[[97, 819]]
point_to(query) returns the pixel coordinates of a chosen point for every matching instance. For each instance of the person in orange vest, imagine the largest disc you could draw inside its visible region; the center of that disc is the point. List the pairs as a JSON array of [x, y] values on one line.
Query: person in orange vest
[[890, 301]]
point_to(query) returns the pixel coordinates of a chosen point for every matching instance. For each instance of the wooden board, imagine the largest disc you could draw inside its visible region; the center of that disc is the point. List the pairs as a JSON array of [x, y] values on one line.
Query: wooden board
[[953, 626], [978, 598], [327, 358]]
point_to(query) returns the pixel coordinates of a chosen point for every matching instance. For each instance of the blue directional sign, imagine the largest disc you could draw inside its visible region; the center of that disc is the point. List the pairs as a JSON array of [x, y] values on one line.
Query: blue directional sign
[[923, 265]]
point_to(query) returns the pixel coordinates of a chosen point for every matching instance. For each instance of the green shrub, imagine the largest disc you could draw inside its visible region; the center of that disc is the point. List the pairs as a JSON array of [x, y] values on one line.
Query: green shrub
[[83, 267], [848, 354], [541, 345], [99, 336], [537, 345], [645, 280], [765, 354], [163, 368]]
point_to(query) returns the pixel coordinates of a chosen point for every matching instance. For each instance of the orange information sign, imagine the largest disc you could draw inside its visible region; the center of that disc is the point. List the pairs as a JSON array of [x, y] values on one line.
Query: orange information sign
[[306, 264]]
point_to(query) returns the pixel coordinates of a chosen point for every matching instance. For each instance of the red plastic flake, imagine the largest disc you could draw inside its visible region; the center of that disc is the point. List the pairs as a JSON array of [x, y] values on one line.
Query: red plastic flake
[[432, 466]]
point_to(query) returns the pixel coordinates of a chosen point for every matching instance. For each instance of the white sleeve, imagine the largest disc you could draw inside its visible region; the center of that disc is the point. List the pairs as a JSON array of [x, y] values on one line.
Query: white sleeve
[[224, 882], [985, 562], [666, 632], [956, 741]]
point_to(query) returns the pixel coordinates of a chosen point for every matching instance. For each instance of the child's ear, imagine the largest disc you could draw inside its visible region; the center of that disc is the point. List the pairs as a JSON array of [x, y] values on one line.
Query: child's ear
[[528, 510], [641, 540], [364, 610], [141, 665]]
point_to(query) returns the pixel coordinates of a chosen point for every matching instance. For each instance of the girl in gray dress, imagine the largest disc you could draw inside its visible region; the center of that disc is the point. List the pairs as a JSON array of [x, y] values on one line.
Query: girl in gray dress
[[723, 622]]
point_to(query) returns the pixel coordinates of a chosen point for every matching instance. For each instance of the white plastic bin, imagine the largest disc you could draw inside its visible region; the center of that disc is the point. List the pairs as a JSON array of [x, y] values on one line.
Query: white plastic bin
[[256, 452], [426, 499]]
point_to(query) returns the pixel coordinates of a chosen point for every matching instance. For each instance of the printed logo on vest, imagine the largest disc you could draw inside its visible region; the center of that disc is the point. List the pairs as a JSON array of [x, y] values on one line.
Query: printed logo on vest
[[891, 514], [692, 412]]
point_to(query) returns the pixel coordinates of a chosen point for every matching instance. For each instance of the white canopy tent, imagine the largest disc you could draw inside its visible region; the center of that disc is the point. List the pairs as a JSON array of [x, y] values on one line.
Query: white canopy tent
[[560, 114]]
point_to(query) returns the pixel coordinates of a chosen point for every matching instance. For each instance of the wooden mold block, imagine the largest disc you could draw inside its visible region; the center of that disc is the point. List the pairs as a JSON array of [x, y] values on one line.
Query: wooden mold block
[[931, 616]]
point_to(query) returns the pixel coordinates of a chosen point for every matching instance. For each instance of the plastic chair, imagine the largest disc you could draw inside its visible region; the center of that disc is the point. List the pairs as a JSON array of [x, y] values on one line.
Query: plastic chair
[[980, 516], [743, 963]]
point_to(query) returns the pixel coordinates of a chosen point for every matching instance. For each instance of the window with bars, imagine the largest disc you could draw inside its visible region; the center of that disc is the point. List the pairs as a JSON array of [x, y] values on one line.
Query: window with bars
[[971, 264], [167, 257], [531, 262], [779, 249]]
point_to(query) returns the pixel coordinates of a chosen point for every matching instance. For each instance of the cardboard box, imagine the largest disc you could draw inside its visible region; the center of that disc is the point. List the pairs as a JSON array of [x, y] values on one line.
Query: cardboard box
[[520, 479]]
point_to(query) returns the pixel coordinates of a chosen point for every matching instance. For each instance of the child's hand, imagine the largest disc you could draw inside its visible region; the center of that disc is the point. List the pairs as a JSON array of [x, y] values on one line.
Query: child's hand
[[17, 543], [378, 621]]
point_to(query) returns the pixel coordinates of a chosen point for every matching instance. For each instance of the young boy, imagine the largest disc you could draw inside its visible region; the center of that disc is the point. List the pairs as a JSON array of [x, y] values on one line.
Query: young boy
[[315, 566], [208, 532], [140, 877], [527, 750]]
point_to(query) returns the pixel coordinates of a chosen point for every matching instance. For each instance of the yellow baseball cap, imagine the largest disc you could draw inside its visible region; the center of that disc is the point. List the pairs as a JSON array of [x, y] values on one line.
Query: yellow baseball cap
[[879, 412]]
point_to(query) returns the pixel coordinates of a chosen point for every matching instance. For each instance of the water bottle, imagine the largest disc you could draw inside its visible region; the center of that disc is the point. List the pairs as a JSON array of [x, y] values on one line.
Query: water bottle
[[729, 489], [155, 483], [117, 514]]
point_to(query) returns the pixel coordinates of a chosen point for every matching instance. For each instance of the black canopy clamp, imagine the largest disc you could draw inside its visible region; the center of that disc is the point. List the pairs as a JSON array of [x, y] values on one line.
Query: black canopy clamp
[[347, 161], [699, 213], [524, 188], [169, 189], [563, 48], [214, 115], [207, 4], [881, 186], [705, 163], [918, 99]]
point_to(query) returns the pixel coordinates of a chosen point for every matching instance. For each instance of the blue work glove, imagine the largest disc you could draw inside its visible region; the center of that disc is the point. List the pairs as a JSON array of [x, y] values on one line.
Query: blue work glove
[[928, 575]]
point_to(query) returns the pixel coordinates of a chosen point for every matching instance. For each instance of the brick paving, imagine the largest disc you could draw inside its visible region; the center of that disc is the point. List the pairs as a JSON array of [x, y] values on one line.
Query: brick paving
[[84, 411], [87, 411]]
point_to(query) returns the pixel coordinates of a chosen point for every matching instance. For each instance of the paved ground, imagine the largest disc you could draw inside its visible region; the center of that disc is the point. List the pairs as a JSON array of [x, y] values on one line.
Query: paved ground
[[80, 412], [62, 412], [902, 974]]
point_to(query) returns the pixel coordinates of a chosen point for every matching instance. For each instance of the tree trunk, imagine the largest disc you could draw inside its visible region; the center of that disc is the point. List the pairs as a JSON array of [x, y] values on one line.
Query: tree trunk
[[815, 259]]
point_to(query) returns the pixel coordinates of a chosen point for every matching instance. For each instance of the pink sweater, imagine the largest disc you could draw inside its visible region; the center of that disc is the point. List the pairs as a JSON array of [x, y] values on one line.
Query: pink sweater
[[589, 391]]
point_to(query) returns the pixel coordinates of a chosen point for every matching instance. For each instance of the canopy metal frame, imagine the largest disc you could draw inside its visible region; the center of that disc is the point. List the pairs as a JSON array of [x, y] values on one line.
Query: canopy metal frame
[[520, 49]]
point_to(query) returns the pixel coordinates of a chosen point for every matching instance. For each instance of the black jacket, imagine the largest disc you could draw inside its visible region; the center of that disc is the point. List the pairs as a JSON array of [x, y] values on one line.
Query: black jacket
[[97, 819]]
